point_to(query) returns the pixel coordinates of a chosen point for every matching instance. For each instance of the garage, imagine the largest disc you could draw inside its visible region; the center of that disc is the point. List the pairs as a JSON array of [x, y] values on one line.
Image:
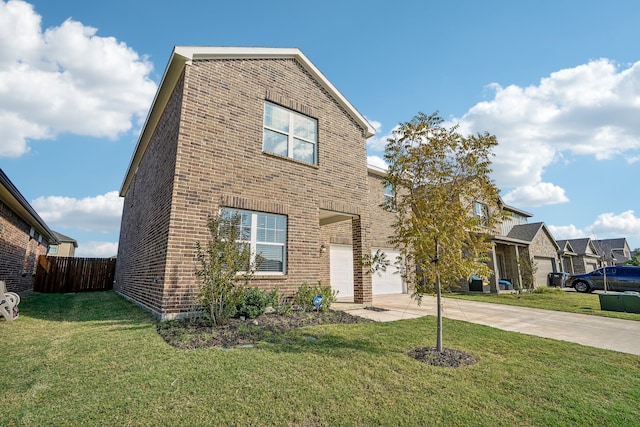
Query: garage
[[341, 266], [544, 267], [390, 281]]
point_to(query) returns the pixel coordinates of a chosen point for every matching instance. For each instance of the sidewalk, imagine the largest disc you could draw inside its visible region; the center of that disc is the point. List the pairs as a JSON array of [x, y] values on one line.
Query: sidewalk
[[595, 331]]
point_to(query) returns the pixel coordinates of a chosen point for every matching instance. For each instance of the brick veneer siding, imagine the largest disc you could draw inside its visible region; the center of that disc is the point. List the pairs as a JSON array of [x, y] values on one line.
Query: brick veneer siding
[[207, 153], [141, 270], [382, 227], [19, 252]]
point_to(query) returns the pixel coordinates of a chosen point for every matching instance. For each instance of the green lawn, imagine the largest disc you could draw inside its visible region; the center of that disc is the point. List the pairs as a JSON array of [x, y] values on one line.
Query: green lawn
[[96, 359], [550, 299]]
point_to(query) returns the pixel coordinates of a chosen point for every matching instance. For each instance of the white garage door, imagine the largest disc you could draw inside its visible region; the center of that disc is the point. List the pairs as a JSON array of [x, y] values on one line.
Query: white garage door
[[390, 281], [341, 266], [545, 266]]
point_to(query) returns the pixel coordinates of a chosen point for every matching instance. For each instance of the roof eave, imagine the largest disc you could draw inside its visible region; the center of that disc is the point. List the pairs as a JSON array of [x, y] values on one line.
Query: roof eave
[[12, 197]]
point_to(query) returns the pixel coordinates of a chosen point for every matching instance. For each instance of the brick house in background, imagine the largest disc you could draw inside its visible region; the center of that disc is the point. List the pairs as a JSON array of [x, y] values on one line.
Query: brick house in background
[[584, 256], [256, 130], [516, 238], [24, 236]]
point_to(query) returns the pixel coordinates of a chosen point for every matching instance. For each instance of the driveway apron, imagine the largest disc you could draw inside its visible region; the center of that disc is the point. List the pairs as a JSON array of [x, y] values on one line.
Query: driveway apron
[[595, 331]]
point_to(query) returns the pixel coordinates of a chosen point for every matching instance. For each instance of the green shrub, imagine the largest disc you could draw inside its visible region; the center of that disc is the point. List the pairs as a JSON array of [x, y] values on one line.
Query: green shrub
[[303, 298], [222, 264], [253, 302], [280, 303]]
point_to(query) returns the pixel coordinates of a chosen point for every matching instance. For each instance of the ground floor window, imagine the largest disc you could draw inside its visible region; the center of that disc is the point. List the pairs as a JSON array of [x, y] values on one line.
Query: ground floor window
[[267, 235]]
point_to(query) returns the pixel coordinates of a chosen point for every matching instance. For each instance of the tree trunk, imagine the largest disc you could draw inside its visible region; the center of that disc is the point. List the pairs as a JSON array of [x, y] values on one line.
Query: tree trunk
[[439, 311], [436, 261]]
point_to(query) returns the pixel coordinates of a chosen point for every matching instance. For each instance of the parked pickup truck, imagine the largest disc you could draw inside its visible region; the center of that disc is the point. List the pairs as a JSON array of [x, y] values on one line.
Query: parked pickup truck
[[619, 278]]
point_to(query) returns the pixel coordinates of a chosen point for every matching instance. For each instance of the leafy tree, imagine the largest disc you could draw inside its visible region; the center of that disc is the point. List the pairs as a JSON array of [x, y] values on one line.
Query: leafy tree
[[635, 258], [528, 269], [225, 265], [445, 203]]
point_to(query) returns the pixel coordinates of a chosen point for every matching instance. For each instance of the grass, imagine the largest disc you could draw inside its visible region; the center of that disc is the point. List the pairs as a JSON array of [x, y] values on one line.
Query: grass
[[96, 359], [550, 299]]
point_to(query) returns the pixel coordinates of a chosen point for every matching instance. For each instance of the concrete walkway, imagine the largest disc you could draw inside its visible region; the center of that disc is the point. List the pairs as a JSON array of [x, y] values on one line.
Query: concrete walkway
[[595, 331]]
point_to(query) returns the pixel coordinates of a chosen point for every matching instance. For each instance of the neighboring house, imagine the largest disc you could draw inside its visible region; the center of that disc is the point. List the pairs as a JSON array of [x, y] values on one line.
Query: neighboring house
[[517, 240], [613, 251], [586, 256], [507, 250], [542, 249], [23, 237], [260, 131], [567, 256], [66, 247]]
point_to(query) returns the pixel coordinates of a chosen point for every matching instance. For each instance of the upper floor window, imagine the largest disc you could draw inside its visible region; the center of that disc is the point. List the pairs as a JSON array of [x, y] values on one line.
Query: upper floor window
[[290, 134], [53, 249], [267, 238], [481, 211], [388, 192]]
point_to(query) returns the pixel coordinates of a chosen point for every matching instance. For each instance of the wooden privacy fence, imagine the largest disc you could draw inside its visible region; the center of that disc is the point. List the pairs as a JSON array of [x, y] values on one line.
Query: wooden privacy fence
[[67, 274]]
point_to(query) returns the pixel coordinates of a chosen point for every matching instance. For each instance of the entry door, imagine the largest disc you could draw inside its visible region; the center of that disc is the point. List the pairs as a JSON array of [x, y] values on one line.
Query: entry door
[[341, 266]]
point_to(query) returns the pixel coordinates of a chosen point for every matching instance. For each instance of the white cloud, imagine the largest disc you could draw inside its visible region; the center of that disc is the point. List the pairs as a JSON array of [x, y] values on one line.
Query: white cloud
[[610, 225], [377, 143], [565, 232], [65, 79], [99, 214], [590, 109], [93, 249], [377, 161], [606, 226], [540, 194]]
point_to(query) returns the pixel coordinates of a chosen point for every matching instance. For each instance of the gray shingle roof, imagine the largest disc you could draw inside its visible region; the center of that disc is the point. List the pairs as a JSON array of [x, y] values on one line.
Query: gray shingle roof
[[526, 232]]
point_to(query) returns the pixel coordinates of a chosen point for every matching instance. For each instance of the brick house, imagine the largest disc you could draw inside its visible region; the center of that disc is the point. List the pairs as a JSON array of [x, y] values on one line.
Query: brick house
[[259, 131], [583, 256], [516, 239], [24, 236]]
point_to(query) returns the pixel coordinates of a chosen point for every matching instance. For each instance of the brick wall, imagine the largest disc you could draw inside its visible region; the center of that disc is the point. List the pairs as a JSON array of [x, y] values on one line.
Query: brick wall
[[215, 140], [141, 270], [19, 251]]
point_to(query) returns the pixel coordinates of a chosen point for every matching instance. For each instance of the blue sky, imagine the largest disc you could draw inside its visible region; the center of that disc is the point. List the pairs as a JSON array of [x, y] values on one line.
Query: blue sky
[[558, 82]]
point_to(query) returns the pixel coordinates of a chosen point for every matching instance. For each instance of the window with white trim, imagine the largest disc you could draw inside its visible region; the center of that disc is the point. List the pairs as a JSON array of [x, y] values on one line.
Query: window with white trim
[[267, 237], [290, 134], [388, 192]]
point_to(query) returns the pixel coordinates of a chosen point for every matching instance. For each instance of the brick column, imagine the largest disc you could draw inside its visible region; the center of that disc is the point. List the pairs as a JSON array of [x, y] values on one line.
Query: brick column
[[362, 289]]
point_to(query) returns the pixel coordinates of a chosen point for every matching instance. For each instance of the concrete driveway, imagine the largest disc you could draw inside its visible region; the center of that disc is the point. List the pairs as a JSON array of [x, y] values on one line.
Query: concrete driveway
[[595, 331]]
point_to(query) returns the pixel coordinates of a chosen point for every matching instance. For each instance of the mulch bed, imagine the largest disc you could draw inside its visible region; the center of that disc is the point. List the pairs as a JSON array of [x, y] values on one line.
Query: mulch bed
[[199, 333]]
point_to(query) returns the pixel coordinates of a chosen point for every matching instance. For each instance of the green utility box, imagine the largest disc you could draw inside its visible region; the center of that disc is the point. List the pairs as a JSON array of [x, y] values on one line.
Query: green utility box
[[628, 302]]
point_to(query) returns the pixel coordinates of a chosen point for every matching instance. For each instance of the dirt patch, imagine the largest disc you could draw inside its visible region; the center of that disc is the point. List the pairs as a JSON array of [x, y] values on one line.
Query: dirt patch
[[447, 358], [198, 333]]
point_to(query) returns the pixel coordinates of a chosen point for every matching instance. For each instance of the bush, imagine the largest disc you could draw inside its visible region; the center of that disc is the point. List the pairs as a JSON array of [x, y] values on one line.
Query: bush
[[303, 298], [253, 302], [280, 303]]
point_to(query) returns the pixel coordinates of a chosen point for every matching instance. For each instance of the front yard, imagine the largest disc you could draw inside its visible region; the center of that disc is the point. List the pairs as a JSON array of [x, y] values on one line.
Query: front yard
[[96, 359]]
